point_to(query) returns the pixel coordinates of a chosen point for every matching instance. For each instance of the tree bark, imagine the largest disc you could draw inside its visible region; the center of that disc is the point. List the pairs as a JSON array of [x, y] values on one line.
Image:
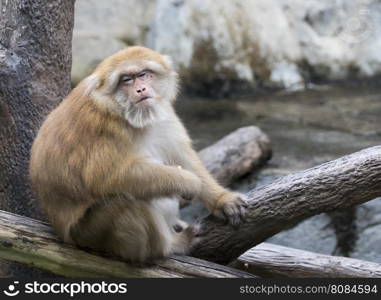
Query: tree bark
[[236, 154], [340, 183], [269, 260], [33, 243], [35, 64]]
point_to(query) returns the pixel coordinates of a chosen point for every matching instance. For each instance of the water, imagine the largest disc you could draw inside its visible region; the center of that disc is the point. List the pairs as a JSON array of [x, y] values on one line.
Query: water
[[306, 128]]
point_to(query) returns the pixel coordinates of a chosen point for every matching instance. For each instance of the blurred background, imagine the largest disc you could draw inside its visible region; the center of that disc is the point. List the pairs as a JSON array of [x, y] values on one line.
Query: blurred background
[[307, 72]]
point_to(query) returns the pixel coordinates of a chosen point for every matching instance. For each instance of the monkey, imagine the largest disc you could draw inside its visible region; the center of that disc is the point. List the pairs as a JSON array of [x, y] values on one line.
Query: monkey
[[110, 162]]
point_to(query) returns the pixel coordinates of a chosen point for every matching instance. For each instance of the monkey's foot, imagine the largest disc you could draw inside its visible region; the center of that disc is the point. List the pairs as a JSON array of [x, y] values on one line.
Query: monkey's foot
[[192, 232], [186, 239], [180, 226]]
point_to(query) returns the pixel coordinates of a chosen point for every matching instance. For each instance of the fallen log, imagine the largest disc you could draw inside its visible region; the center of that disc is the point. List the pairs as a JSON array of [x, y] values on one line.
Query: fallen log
[[33, 243], [341, 183], [270, 260], [236, 154]]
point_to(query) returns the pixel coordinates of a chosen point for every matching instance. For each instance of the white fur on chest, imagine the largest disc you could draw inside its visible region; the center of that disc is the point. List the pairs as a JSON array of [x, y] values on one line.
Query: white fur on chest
[[161, 143]]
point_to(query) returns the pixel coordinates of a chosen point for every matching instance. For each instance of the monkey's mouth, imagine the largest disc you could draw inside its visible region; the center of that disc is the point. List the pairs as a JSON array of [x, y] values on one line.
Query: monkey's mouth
[[143, 99]]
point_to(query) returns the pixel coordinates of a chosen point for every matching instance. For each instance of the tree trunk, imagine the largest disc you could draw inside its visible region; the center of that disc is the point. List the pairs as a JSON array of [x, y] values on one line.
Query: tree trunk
[[35, 64], [341, 183]]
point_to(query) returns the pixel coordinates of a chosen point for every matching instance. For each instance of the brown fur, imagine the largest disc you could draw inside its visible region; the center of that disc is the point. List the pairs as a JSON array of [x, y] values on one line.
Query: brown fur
[[97, 187]]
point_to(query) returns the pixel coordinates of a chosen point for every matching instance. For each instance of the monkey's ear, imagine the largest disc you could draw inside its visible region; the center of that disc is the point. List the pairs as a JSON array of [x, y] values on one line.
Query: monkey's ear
[[91, 83]]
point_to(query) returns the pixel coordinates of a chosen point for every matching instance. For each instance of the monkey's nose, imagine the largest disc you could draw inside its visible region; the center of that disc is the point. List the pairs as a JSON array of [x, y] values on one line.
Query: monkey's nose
[[141, 90]]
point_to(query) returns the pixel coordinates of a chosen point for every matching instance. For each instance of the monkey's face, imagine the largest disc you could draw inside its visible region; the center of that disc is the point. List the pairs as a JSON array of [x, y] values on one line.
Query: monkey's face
[[139, 87], [137, 83], [144, 92]]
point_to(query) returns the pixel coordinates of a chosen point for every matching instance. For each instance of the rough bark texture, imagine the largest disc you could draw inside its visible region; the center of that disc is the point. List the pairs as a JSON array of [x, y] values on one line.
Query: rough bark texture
[[34, 243], [340, 183], [269, 260], [237, 154], [35, 63]]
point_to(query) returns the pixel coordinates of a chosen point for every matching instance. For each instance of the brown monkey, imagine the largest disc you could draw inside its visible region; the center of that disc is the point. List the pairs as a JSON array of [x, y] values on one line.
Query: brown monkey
[[110, 160]]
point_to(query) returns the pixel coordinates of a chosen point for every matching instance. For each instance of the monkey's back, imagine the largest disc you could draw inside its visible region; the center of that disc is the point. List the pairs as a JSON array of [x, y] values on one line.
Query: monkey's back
[[64, 168]]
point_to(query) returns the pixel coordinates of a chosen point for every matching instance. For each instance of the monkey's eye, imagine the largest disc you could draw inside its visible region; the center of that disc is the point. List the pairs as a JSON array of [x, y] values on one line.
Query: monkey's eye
[[142, 74], [126, 79]]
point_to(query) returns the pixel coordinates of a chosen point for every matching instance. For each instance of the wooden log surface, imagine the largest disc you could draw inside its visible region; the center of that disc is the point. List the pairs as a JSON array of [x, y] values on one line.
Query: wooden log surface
[[341, 183], [32, 242], [236, 154], [270, 260]]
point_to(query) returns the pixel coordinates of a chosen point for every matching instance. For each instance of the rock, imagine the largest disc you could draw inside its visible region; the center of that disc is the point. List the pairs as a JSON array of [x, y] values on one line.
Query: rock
[[87, 53], [368, 221], [314, 234], [217, 45], [369, 244], [368, 214], [103, 27]]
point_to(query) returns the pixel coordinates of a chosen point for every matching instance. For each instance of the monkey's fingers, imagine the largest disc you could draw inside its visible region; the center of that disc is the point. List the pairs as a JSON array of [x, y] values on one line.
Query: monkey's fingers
[[232, 208], [235, 212]]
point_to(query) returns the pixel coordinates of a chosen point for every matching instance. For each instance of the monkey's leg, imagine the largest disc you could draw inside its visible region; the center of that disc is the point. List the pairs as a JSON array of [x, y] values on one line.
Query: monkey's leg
[[180, 236], [133, 230]]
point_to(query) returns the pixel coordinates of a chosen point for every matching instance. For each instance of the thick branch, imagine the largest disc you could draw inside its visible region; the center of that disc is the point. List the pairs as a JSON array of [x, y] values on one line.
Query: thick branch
[[341, 183], [269, 260], [33, 243], [236, 154]]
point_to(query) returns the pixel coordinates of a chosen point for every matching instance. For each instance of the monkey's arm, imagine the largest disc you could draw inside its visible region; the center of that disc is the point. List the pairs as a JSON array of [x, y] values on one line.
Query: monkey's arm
[[145, 179], [221, 202]]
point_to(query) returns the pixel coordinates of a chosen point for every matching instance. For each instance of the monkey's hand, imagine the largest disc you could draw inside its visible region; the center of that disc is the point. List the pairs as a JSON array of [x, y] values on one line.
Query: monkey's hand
[[231, 206]]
